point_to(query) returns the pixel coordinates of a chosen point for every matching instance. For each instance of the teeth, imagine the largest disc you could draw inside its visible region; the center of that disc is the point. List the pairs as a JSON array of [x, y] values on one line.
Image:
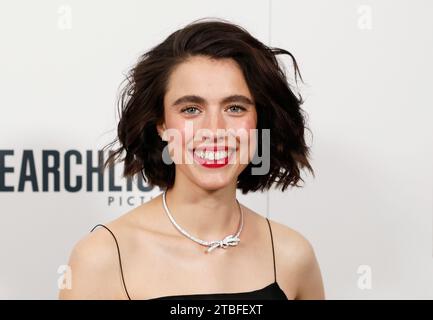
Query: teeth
[[210, 155]]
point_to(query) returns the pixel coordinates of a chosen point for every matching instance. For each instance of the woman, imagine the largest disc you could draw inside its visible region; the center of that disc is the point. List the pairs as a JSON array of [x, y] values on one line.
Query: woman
[[211, 82]]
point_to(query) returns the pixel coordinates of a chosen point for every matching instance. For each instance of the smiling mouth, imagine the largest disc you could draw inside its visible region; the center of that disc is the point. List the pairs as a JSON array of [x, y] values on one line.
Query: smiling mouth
[[218, 157]]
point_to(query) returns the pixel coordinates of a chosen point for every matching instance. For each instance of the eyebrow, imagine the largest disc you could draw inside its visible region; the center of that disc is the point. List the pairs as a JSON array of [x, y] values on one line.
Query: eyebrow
[[201, 100]]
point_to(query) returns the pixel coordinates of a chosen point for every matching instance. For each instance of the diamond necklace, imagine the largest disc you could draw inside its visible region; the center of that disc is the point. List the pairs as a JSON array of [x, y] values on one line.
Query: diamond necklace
[[230, 240]]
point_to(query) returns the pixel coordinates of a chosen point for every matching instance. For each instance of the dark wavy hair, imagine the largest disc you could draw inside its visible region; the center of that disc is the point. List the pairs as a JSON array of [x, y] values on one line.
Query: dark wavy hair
[[141, 105]]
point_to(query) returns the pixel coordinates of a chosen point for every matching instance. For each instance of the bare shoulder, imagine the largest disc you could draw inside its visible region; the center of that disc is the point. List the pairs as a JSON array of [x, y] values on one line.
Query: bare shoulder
[[294, 243], [94, 260], [297, 264]]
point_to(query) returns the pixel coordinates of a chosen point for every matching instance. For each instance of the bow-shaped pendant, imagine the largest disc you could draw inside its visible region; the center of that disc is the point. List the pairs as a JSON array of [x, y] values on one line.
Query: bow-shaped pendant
[[230, 240]]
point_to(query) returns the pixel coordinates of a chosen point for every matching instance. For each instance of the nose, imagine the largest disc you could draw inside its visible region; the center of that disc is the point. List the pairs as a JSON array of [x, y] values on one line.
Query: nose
[[214, 125]]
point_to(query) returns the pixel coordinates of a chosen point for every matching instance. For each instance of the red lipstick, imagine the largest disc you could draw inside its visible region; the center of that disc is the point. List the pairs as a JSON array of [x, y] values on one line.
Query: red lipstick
[[213, 163]]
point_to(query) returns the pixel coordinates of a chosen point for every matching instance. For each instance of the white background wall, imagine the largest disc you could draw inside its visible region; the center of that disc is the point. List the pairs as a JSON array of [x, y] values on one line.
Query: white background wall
[[367, 67]]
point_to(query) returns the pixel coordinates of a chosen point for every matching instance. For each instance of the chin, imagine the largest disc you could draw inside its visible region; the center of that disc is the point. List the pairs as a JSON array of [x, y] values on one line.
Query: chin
[[211, 182]]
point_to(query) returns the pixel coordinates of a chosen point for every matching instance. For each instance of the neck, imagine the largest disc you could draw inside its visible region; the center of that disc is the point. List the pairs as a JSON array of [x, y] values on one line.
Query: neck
[[207, 215]]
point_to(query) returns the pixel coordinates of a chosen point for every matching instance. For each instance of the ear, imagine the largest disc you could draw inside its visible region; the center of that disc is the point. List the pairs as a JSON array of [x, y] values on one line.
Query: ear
[[161, 128]]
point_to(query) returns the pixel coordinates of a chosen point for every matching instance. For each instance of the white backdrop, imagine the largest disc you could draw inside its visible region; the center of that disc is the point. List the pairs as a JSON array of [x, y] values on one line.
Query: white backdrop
[[367, 67]]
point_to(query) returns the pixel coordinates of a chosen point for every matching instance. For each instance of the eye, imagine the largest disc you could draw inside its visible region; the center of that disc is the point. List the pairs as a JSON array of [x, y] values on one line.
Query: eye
[[187, 109], [238, 107]]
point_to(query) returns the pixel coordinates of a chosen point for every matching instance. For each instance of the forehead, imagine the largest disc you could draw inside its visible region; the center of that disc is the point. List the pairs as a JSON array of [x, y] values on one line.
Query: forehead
[[206, 77]]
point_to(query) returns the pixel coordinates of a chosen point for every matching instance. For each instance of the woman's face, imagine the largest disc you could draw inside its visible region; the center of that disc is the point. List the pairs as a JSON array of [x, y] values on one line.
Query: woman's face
[[209, 114]]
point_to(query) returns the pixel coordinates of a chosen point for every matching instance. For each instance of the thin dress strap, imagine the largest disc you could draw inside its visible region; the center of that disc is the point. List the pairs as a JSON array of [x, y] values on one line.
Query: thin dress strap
[[273, 253], [118, 253]]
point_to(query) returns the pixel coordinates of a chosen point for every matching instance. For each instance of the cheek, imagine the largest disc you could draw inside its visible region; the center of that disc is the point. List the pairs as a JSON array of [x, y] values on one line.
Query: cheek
[[245, 128], [246, 122], [249, 123], [177, 124], [178, 135]]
